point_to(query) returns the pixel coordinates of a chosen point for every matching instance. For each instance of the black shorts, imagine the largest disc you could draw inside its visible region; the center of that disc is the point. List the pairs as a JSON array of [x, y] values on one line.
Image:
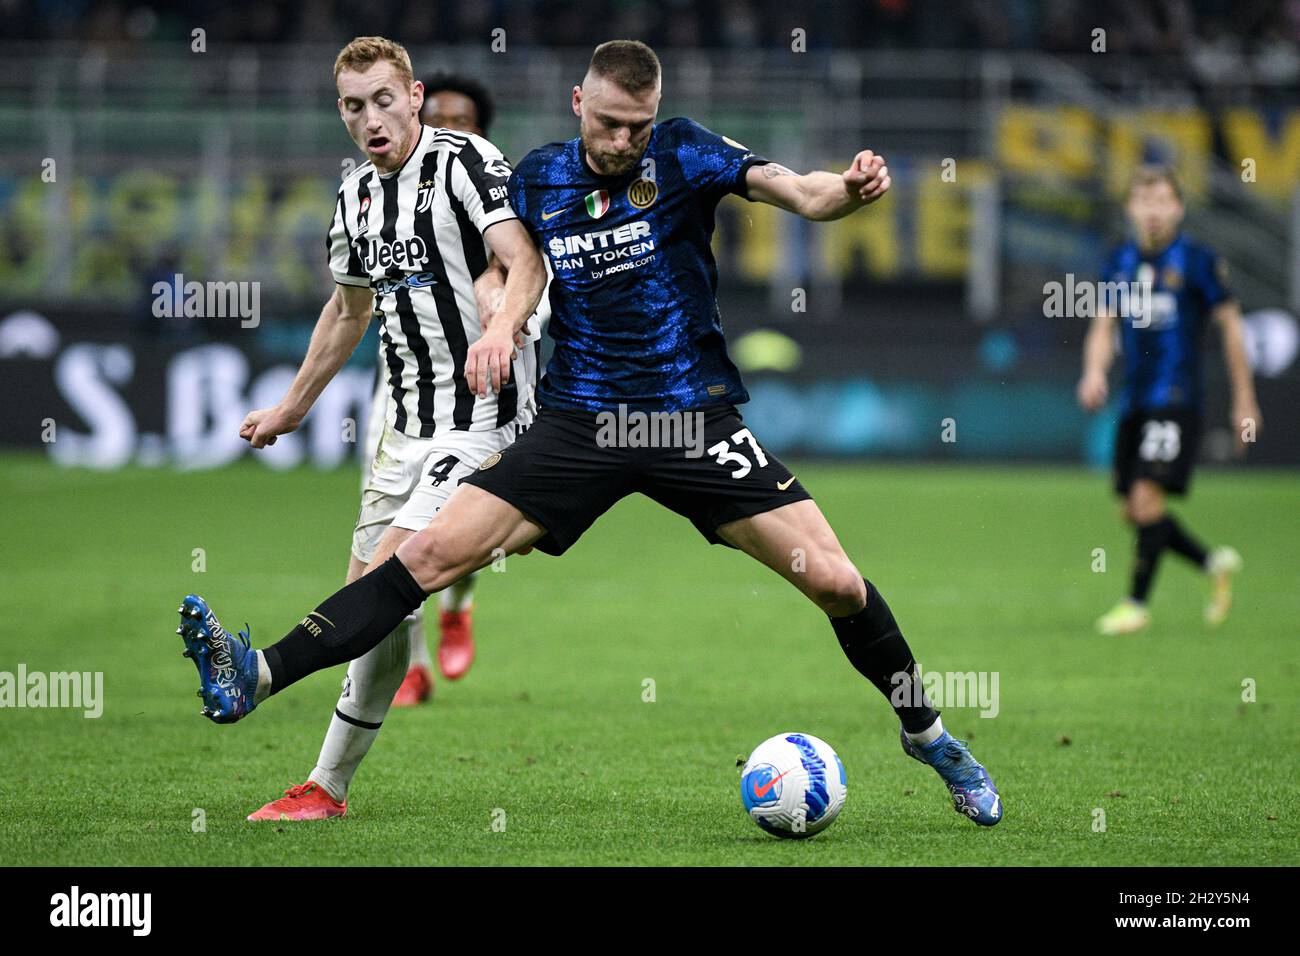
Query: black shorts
[[570, 467], [1159, 445]]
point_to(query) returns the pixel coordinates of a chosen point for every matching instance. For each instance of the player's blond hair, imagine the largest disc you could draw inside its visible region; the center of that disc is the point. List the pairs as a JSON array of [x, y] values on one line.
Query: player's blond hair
[[1152, 173], [363, 52]]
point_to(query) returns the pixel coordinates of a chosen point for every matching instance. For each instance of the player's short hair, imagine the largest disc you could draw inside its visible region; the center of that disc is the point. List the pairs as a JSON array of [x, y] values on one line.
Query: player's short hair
[[630, 64], [363, 52], [1153, 173], [478, 94]]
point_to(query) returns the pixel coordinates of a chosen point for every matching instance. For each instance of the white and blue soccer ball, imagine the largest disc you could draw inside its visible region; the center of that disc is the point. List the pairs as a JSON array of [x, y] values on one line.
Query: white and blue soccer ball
[[793, 785]]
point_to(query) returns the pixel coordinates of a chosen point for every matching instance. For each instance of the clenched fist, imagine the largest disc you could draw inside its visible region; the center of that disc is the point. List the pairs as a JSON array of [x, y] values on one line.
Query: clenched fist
[[1092, 392], [867, 176], [262, 426]]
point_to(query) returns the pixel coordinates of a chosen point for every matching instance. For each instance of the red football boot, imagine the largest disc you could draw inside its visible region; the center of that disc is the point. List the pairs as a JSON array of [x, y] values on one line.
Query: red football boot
[[305, 801], [417, 687], [456, 643]]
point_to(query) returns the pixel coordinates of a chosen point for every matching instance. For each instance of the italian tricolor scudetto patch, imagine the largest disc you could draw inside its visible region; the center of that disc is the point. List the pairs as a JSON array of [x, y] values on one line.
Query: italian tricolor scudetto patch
[[598, 203]]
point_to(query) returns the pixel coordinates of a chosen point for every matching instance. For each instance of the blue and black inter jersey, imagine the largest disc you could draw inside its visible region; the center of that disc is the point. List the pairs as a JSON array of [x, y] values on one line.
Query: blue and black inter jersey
[[1162, 347], [634, 311]]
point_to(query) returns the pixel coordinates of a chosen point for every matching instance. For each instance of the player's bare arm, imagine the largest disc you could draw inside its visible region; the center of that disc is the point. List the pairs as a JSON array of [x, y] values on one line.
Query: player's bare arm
[[487, 362], [1245, 410], [1098, 354], [821, 196], [341, 325], [489, 290]]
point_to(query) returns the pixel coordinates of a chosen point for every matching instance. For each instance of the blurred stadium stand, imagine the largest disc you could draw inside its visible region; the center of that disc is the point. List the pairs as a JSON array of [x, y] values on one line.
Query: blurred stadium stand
[[1009, 140]]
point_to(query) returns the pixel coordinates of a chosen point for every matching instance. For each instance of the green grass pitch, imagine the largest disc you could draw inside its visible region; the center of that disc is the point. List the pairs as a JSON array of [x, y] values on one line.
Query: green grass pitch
[[986, 569]]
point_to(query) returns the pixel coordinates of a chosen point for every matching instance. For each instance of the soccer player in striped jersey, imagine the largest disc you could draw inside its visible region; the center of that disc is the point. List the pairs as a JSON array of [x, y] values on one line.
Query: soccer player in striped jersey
[[1160, 406], [625, 212], [463, 105], [412, 229]]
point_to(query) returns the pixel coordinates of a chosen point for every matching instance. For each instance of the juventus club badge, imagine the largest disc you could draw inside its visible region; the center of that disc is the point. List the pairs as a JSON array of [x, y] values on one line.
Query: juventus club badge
[[361, 214], [425, 197]]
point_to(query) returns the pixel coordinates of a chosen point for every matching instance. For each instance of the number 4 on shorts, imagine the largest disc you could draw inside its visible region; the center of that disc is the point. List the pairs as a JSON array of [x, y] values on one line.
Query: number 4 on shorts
[[441, 469]]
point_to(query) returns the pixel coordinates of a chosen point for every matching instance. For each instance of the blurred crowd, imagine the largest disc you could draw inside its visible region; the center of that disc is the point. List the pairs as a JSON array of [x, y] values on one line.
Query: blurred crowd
[[1209, 34]]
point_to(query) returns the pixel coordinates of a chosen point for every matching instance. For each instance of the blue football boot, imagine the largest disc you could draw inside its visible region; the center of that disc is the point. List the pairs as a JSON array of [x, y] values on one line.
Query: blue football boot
[[227, 666], [969, 783]]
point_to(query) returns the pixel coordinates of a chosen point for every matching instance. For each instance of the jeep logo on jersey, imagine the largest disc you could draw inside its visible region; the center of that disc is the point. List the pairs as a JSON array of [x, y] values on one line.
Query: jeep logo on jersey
[[598, 203], [399, 252]]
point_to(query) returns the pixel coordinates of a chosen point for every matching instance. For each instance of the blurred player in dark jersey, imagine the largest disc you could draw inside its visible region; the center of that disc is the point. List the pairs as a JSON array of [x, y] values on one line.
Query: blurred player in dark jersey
[[624, 213], [1160, 404]]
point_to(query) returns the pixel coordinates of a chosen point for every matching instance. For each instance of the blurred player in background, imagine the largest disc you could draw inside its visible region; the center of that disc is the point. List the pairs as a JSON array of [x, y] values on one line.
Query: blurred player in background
[[411, 232], [1160, 405]]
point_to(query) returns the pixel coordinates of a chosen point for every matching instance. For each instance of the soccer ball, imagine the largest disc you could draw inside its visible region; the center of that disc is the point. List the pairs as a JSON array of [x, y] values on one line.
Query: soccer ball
[[793, 785]]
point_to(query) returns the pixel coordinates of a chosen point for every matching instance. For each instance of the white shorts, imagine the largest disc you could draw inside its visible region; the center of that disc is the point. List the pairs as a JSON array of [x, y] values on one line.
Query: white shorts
[[410, 479], [375, 422]]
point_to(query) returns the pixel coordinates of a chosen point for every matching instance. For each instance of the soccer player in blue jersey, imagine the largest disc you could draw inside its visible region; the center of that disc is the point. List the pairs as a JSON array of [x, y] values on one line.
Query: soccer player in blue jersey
[[624, 213], [1160, 405]]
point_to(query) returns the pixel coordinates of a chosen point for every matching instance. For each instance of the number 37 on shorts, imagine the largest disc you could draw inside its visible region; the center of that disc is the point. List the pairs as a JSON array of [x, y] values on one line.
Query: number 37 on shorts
[[745, 454]]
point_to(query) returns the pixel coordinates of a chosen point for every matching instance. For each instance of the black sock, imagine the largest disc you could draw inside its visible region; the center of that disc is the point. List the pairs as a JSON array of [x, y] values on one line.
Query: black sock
[[875, 647], [1151, 540], [345, 625], [1183, 543]]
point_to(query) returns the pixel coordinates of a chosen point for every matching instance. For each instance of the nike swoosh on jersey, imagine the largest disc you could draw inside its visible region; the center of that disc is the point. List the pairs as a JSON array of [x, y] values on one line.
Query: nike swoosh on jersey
[[551, 215], [783, 485]]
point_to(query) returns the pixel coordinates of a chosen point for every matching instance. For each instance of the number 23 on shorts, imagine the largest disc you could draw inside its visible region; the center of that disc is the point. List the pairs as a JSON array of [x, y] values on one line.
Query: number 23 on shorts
[[1161, 441]]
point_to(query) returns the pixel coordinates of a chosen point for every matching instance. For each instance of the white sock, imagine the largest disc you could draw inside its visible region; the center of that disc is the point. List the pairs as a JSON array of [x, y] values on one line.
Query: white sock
[[459, 596], [373, 679], [263, 690], [927, 736], [419, 644]]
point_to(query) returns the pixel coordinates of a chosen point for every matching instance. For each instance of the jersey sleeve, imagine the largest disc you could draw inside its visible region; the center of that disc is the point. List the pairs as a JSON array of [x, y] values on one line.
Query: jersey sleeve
[[1108, 263], [344, 262], [480, 177], [713, 163], [519, 197], [1212, 278], [1106, 275]]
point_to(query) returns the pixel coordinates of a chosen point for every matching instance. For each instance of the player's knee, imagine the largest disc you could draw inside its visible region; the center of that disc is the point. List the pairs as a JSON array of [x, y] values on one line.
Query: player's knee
[[1145, 514], [434, 560], [838, 589], [1145, 505]]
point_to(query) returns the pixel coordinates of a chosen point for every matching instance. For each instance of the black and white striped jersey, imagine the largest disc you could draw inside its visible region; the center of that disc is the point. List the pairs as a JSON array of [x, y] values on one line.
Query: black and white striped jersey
[[415, 236]]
